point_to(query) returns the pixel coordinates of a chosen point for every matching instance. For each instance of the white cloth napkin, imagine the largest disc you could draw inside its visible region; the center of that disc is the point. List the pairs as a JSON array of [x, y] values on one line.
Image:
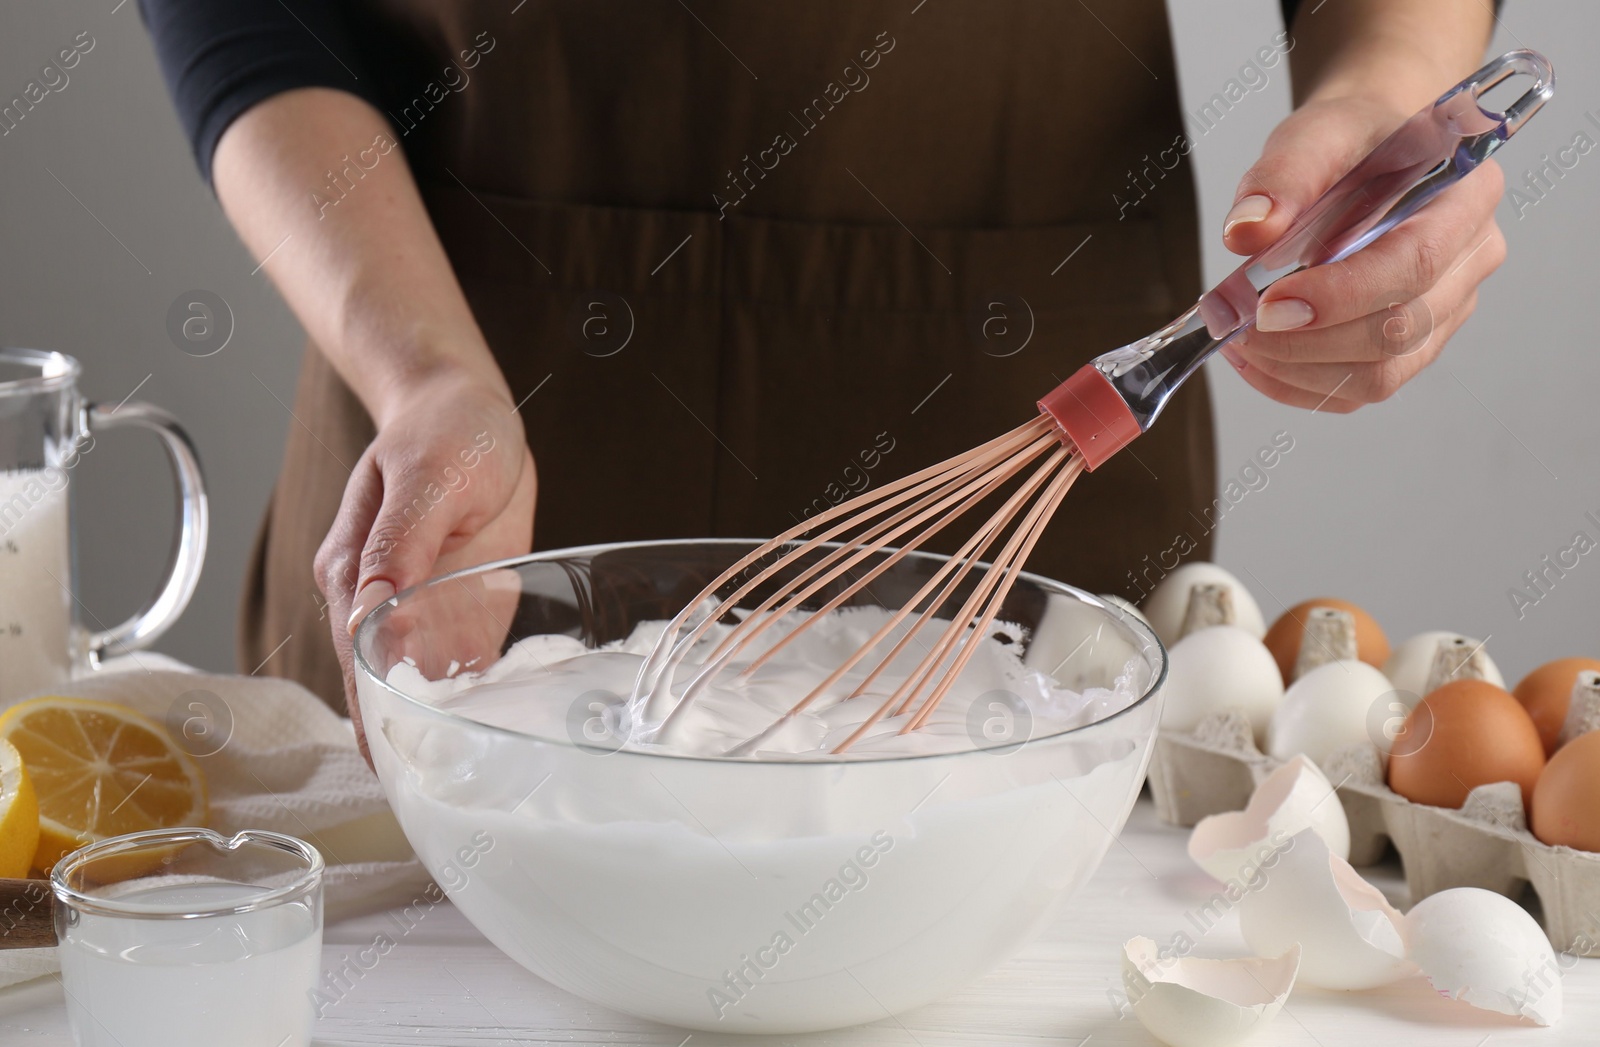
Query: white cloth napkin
[[286, 763]]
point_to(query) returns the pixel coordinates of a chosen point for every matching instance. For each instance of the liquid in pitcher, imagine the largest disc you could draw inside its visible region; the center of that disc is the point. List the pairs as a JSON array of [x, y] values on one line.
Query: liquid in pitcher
[[35, 572]]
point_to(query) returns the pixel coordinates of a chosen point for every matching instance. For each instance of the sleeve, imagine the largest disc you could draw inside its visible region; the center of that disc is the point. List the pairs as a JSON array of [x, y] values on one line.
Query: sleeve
[[1291, 7], [219, 59]]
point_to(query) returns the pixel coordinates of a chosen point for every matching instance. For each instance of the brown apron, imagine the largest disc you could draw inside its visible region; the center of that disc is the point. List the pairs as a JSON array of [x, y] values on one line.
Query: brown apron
[[746, 258]]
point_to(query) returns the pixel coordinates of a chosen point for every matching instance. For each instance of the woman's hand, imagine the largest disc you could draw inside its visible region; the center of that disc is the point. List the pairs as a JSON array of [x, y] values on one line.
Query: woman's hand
[[448, 483], [1339, 336]]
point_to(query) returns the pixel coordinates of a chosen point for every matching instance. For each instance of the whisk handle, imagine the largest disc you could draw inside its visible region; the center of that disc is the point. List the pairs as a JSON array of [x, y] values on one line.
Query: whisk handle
[[1118, 395], [1426, 155]]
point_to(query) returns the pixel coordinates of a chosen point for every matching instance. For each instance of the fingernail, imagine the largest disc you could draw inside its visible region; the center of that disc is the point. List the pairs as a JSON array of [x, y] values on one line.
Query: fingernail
[[1232, 355], [1284, 314], [371, 595], [1252, 208]]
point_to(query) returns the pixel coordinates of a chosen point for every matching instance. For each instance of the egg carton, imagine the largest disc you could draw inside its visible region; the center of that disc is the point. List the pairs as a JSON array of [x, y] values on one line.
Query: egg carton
[[1485, 844]]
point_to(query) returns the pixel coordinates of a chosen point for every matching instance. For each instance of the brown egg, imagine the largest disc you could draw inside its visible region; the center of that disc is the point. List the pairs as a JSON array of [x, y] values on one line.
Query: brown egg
[[1566, 802], [1465, 734], [1545, 693], [1283, 639]]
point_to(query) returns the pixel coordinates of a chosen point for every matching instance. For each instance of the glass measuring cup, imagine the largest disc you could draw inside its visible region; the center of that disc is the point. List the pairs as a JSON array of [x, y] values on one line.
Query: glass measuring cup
[[187, 938], [46, 429]]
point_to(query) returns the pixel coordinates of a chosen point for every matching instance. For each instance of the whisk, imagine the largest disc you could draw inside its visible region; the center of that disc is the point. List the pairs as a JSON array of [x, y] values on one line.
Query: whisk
[[1082, 423]]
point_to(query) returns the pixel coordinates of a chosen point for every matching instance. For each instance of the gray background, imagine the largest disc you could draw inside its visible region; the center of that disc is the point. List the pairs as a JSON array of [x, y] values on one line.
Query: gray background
[[1425, 509]]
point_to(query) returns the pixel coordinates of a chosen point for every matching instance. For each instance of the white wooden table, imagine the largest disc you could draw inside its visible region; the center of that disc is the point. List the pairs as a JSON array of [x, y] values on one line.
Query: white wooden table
[[445, 985]]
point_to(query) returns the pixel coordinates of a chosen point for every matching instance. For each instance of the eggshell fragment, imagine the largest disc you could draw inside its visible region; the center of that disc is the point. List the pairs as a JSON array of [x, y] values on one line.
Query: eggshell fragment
[[1350, 936], [1217, 668], [1328, 709], [1408, 667], [1166, 605], [1485, 949], [1233, 846], [1192, 1002]]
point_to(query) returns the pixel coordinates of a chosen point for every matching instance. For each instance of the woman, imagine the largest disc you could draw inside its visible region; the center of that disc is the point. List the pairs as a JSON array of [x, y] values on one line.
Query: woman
[[713, 264]]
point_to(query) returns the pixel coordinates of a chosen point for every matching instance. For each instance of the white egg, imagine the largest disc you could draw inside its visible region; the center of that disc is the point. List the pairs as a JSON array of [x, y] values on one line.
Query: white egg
[[1485, 949], [1408, 667], [1216, 668], [1350, 936], [1294, 797], [1335, 705], [1167, 603], [1076, 643], [1192, 1002], [1125, 605]]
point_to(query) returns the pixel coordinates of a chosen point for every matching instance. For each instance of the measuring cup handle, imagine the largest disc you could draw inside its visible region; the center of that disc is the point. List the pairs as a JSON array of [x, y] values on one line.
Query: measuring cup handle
[[188, 544]]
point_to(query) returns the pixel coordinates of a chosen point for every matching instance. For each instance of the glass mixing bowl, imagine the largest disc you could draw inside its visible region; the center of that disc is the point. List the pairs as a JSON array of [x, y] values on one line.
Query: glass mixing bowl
[[767, 896]]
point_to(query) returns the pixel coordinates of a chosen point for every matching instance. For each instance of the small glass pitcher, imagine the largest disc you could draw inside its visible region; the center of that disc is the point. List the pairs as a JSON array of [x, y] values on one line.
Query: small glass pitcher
[[46, 429]]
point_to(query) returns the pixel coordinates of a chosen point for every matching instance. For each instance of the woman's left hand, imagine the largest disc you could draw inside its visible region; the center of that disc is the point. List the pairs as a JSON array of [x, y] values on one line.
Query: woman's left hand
[[1336, 337]]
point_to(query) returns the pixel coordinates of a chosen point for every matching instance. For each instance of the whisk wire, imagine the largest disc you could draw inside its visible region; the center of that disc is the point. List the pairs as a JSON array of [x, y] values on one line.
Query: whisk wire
[[671, 649], [962, 563], [1000, 580], [866, 529], [871, 542], [974, 490]]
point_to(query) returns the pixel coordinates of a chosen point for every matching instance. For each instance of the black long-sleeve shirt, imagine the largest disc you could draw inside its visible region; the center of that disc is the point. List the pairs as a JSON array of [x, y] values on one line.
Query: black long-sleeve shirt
[[219, 59]]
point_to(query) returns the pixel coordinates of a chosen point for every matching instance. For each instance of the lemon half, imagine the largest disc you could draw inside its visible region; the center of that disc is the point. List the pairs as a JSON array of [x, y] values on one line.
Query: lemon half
[[99, 770], [19, 814]]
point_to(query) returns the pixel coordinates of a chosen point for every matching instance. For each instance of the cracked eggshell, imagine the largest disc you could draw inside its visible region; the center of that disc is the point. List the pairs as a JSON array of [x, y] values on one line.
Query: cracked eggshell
[[1485, 949], [1216, 668], [1350, 936], [1192, 1002], [1167, 603], [1409, 665], [1328, 709], [1233, 846]]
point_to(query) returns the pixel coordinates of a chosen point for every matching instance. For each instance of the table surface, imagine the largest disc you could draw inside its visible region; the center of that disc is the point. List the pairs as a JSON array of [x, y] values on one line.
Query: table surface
[[445, 984]]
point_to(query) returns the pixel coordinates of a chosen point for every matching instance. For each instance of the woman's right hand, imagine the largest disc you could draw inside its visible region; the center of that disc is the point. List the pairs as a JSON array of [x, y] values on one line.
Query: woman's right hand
[[448, 483]]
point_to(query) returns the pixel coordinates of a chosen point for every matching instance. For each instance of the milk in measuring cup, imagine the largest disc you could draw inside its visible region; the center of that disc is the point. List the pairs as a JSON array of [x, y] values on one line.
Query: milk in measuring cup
[[35, 566]]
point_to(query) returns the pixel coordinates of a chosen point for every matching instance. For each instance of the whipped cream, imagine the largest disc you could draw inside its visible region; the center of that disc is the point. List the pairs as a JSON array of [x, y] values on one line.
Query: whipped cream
[[779, 893], [555, 687]]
